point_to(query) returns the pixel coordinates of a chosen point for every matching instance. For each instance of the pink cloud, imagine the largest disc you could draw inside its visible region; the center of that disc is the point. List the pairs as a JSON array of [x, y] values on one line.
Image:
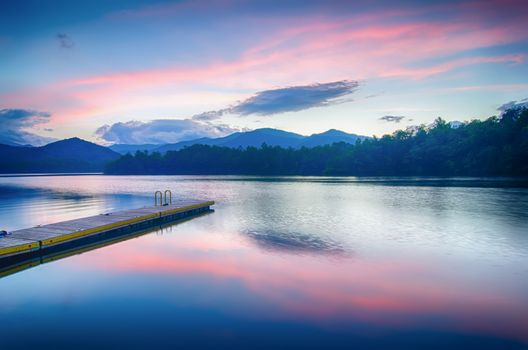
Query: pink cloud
[[491, 87], [421, 73], [375, 45]]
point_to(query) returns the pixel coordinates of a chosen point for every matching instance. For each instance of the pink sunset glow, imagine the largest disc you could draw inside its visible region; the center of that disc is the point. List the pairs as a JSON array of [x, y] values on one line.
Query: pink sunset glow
[[383, 291], [417, 46]]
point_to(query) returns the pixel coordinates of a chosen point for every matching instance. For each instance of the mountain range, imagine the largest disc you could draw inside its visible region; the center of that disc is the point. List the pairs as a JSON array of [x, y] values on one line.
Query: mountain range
[[254, 138], [75, 155]]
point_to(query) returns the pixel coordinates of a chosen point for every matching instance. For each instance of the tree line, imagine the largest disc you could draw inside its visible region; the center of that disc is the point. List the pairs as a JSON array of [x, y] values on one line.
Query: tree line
[[497, 146]]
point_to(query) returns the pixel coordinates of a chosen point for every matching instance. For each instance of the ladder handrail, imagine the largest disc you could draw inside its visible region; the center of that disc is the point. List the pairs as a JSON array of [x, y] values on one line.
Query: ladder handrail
[[156, 198], [165, 197]]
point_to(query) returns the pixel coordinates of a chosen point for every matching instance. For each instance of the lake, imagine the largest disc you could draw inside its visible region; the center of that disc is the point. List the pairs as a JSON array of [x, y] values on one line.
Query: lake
[[283, 262]]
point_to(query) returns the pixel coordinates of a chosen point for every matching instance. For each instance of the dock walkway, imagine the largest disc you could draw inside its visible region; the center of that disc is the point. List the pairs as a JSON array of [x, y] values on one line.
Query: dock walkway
[[40, 238]]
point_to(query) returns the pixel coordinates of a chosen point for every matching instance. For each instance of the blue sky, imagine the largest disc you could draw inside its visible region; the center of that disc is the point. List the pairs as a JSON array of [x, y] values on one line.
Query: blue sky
[[208, 68]]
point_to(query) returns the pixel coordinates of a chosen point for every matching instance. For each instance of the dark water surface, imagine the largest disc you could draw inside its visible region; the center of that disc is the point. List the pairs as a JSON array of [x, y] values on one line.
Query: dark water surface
[[282, 263]]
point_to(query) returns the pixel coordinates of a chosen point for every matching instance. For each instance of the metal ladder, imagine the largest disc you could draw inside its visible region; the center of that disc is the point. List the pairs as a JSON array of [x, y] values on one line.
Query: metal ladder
[[162, 198]]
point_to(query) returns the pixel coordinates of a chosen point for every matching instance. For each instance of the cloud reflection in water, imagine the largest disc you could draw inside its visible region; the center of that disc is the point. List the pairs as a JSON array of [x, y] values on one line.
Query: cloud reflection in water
[[294, 243]]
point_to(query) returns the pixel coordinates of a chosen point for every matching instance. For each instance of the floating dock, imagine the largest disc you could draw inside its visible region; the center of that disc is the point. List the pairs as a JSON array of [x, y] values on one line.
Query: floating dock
[[41, 239]]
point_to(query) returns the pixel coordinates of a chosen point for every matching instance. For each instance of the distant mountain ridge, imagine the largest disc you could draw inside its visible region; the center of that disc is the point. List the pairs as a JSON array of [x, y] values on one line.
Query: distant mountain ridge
[[124, 148], [76, 155], [70, 155], [271, 137]]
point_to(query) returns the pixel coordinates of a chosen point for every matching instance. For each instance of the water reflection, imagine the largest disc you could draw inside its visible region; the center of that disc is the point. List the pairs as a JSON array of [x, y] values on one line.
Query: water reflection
[[282, 264], [23, 207], [237, 282], [294, 243]]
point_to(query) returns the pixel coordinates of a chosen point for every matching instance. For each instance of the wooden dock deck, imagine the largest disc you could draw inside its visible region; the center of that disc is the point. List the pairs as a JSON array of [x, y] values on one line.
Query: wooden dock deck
[[40, 238]]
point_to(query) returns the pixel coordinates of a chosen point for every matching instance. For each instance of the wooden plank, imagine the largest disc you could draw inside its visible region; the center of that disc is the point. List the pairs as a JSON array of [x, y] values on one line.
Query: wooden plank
[[83, 224], [47, 234], [43, 229], [176, 209], [39, 233], [97, 228], [138, 211]]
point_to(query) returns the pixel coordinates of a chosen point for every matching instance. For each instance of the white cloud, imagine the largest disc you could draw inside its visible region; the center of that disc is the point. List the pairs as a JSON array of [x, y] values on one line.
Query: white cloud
[[513, 105], [161, 131]]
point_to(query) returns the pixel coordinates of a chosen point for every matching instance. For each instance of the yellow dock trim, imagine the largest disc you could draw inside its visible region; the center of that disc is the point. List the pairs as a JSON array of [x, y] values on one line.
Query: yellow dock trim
[[22, 247], [12, 269], [38, 237], [98, 229], [17, 268]]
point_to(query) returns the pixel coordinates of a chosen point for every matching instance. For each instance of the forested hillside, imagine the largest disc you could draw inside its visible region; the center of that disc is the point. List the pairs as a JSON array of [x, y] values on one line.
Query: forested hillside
[[497, 146], [69, 156]]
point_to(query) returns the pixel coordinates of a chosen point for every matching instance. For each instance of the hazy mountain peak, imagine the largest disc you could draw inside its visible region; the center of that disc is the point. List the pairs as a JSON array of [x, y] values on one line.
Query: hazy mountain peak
[[332, 132], [271, 131], [269, 136]]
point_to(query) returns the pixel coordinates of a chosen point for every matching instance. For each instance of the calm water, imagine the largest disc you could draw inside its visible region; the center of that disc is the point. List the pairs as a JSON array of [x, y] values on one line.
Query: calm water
[[281, 263]]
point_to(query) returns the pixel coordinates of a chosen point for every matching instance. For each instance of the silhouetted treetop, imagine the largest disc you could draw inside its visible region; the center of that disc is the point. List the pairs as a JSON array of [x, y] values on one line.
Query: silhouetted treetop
[[497, 146]]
